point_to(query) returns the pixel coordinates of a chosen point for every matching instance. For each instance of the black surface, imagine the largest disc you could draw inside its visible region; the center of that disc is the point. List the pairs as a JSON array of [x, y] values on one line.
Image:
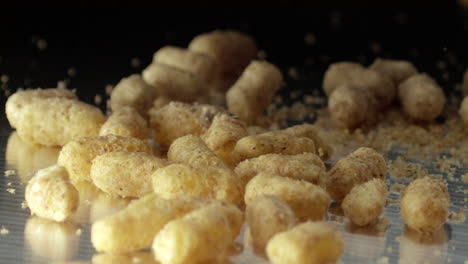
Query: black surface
[[100, 43]]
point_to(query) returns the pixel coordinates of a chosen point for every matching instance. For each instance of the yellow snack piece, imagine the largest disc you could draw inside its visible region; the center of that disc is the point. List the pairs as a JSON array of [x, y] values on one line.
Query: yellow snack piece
[[308, 167], [338, 74], [16, 102], [179, 119], [199, 64], [352, 107], [365, 202], [56, 121], [50, 195], [421, 97], [361, 166], [78, 154], [223, 134], [379, 85], [464, 110], [266, 216], [127, 174], [308, 201], [133, 92], [200, 236], [232, 49], [193, 151], [174, 83], [291, 141], [134, 227], [397, 70], [125, 122], [105, 205], [49, 239], [252, 93], [307, 243], [208, 182], [425, 205]]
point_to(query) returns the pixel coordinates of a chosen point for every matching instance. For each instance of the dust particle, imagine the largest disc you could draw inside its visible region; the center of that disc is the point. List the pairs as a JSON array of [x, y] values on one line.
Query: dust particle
[[310, 39], [4, 78], [71, 72], [42, 44], [135, 62], [98, 99]]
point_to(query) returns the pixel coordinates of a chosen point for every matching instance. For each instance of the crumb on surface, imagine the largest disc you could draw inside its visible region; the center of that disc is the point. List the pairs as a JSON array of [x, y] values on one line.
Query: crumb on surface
[[11, 190], [459, 217], [9, 172], [4, 231], [24, 205]]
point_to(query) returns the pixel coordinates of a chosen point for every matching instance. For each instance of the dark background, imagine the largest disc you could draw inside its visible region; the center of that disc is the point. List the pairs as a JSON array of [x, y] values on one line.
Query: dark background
[[100, 43]]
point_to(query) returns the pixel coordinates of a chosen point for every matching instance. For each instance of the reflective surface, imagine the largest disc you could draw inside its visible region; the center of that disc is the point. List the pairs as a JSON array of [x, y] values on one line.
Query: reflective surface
[[29, 239]]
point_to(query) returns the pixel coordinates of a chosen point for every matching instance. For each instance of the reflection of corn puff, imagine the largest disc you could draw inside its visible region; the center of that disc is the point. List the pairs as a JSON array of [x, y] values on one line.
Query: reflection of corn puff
[[53, 240], [27, 158]]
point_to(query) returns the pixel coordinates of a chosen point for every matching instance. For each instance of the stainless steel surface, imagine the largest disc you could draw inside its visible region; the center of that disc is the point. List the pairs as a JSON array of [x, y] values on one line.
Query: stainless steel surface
[[28, 239]]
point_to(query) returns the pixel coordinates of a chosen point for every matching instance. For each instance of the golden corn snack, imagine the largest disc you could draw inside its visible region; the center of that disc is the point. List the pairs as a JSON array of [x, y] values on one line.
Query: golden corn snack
[[361, 166], [397, 70], [208, 182], [307, 243], [127, 174], [193, 151], [49, 194], [365, 202], [291, 141], [252, 93], [266, 216], [179, 119], [307, 200], [57, 121], [77, 155], [16, 102], [352, 107], [421, 97], [200, 236], [134, 92], [308, 167], [174, 83], [425, 205], [232, 49], [203, 66], [464, 110], [379, 85], [223, 134], [125, 122]]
